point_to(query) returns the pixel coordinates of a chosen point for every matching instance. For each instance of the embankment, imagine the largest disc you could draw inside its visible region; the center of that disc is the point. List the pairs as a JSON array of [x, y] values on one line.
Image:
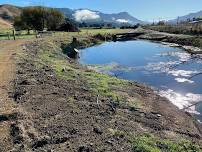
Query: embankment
[[192, 44], [68, 107]]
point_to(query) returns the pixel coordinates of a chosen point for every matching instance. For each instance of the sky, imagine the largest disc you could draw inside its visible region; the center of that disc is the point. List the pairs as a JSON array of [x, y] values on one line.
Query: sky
[[147, 10]]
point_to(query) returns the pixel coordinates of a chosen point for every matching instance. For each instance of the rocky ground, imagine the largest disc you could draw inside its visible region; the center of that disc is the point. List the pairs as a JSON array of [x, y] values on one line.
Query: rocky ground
[[63, 106]]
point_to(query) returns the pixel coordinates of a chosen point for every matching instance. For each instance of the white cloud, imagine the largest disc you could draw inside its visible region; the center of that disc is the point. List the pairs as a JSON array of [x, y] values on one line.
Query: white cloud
[[82, 15], [122, 21]]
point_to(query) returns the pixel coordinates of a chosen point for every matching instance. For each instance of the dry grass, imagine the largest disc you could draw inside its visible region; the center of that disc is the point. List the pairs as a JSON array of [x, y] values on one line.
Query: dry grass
[[4, 24], [192, 29]]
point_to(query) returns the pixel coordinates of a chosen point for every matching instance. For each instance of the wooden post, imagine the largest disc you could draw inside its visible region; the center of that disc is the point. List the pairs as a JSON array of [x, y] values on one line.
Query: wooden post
[[114, 37], [8, 35], [14, 34]]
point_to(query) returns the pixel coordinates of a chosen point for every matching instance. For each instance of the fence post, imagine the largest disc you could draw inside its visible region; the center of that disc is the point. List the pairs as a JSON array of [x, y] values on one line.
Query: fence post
[[8, 35], [14, 34]]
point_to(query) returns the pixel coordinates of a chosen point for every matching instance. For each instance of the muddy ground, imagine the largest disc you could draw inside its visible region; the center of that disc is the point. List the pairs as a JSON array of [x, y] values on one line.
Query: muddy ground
[[59, 114]]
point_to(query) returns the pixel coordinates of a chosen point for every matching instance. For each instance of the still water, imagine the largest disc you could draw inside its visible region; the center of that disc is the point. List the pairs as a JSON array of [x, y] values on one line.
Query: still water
[[172, 71]]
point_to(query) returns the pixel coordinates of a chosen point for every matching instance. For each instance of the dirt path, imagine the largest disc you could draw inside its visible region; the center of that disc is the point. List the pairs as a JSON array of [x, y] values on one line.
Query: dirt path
[[8, 50]]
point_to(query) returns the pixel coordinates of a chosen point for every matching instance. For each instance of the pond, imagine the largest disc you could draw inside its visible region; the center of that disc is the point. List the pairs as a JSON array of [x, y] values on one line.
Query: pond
[[172, 71]]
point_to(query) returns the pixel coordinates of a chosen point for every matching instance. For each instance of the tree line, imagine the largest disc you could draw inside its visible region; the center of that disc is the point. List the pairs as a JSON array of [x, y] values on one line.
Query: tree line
[[41, 18]]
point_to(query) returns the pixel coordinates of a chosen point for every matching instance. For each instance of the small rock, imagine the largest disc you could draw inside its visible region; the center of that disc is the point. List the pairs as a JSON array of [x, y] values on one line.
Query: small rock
[[110, 142], [158, 115], [133, 109], [91, 144], [84, 149], [73, 131], [85, 89], [98, 130]]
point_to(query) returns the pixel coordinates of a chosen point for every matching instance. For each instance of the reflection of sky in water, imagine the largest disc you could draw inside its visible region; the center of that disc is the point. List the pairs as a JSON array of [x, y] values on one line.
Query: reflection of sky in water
[[182, 80], [171, 70], [182, 100], [182, 56]]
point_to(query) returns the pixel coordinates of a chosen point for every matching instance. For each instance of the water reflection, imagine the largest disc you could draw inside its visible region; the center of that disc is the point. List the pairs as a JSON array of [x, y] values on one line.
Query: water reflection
[[182, 100], [182, 56], [183, 80], [174, 72]]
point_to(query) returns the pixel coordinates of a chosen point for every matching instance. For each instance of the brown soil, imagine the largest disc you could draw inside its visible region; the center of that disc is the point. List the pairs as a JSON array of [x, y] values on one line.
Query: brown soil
[[48, 113], [63, 115], [8, 108]]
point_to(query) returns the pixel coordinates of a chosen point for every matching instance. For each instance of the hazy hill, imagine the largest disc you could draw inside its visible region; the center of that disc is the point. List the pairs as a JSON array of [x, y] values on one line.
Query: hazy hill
[[89, 16], [186, 17], [4, 24], [8, 12]]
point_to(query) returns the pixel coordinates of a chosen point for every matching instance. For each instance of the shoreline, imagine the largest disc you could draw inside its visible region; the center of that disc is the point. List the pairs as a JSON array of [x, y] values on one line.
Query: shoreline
[[189, 43], [191, 111], [61, 93]]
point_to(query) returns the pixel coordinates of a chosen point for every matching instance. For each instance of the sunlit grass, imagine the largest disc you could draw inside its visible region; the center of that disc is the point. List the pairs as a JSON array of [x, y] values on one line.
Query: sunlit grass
[[83, 32], [148, 143], [7, 34]]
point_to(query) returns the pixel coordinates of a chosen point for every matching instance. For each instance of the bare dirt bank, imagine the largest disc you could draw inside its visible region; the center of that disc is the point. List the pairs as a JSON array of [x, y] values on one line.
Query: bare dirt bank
[[67, 107]]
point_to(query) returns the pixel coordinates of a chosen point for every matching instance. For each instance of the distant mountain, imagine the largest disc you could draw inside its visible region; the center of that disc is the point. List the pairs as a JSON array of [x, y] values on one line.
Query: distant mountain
[[186, 17], [8, 12], [67, 12], [90, 16], [5, 24]]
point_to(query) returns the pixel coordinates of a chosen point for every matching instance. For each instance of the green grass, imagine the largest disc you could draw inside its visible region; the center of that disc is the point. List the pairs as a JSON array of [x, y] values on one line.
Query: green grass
[[10, 31], [103, 31], [19, 34], [84, 33], [148, 143], [103, 84], [98, 84], [91, 32]]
